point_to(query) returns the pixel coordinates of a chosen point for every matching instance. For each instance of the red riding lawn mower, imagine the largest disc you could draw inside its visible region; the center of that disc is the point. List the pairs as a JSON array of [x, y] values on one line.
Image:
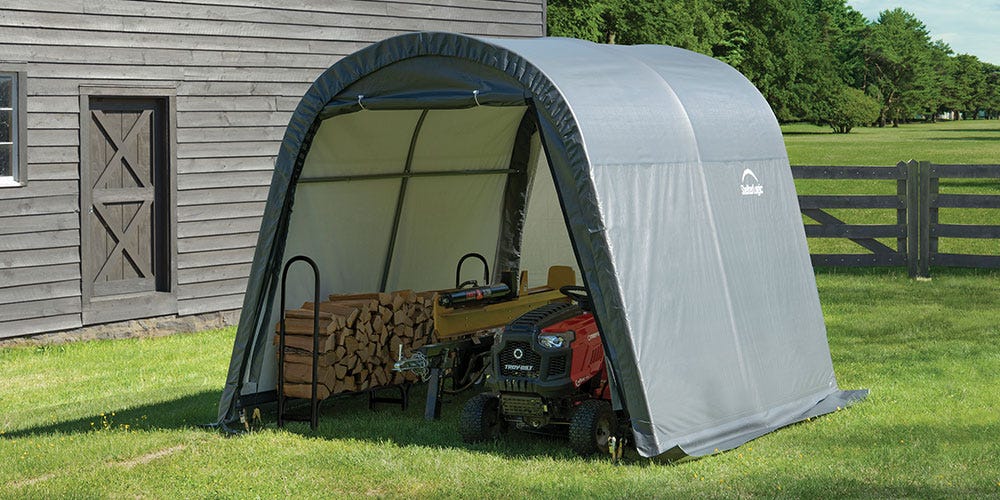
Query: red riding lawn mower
[[548, 372]]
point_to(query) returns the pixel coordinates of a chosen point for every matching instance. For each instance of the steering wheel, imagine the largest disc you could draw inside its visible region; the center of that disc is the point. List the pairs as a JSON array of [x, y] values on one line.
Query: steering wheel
[[578, 294]]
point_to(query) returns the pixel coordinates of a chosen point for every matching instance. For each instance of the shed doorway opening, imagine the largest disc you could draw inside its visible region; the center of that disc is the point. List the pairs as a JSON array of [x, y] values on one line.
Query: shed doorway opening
[[393, 191]]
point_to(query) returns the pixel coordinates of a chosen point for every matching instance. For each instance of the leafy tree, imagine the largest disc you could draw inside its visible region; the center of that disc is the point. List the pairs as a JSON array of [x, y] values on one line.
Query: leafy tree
[[825, 56], [582, 19], [991, 92], [943, 62], [773, 42], [850, 107], [898, 58], [690, 24], [775, 36], [803, 55], [970, 85], [698, 25], [841, 31]]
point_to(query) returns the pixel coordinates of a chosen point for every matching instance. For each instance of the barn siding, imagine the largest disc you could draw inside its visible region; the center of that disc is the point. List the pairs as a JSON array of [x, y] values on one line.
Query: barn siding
[[239, 68]]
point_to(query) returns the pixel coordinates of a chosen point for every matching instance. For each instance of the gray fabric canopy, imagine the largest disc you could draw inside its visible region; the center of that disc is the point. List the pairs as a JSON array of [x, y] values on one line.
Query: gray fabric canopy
[[659, 173]]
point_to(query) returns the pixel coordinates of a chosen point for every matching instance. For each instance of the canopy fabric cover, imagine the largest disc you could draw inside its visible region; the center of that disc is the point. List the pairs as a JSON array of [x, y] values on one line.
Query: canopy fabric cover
[[672, 183]]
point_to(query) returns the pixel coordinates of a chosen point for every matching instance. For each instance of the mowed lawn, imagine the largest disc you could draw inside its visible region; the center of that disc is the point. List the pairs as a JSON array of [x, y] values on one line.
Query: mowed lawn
[[960, 142], [120, 418]]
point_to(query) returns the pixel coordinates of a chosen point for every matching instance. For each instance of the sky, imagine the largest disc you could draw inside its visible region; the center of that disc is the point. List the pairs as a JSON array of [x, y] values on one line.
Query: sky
[[968, 26]]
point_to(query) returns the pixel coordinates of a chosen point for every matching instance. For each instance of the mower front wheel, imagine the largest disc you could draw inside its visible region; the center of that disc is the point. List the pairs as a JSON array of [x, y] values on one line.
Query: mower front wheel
[[592, 424], [480, 420]]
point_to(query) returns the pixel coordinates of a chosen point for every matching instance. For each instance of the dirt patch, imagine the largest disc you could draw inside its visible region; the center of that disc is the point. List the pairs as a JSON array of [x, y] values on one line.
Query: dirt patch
[[30, 481], [149, 457]]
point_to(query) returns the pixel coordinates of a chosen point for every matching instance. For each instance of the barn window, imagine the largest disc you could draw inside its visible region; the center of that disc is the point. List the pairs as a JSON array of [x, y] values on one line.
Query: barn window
[[12, 127]]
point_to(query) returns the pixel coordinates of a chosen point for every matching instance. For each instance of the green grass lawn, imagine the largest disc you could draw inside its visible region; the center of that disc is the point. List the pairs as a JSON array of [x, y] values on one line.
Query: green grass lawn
[[119, 418], [961, 142], [964, 142]]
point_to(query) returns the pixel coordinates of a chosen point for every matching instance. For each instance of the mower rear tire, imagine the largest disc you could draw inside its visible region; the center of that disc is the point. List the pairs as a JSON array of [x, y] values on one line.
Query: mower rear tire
[[592, 424], [480, 420]]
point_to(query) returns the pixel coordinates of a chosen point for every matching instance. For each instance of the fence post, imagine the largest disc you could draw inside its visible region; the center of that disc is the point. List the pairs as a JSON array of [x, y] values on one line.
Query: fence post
[[912, 217], [925, 219], [932, 222], [901, 213]]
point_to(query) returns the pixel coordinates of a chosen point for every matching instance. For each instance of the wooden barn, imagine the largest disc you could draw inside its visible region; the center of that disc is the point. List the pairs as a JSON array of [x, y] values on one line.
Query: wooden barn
[[138, 137]]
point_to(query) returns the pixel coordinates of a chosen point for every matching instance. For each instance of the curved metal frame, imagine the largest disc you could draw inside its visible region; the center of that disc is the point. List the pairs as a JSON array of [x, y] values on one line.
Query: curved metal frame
[[458, 268], [314, 400]]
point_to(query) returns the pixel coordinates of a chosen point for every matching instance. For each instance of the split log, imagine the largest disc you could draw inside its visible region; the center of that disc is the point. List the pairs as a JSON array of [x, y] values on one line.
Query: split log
[[300, 356], [302, 326], [345, 297], [305, 343], [302, 373], [304, 391]]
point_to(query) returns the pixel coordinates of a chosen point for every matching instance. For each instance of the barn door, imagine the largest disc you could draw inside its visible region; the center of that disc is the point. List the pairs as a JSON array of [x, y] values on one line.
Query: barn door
[[125, 202]]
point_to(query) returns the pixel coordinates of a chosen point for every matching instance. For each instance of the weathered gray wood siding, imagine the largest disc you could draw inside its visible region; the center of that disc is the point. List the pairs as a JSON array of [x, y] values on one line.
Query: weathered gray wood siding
[[239, 68]]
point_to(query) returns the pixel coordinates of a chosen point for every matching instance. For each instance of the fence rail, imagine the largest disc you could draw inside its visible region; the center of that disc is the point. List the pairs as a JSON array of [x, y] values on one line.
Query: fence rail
[[917, 203]]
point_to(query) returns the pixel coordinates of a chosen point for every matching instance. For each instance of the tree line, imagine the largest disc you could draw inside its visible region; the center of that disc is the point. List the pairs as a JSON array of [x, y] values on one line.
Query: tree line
[[813, 60]]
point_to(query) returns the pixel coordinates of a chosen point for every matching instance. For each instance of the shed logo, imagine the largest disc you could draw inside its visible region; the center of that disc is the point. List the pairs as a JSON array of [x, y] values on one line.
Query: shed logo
[[750, 185]]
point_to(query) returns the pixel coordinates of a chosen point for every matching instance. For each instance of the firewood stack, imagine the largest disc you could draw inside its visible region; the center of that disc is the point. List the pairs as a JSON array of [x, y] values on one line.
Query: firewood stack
[[359, 341]]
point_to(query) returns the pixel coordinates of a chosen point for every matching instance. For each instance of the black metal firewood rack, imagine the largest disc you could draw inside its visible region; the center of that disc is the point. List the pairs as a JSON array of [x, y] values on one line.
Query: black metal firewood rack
[[313, 418], [314, 399]]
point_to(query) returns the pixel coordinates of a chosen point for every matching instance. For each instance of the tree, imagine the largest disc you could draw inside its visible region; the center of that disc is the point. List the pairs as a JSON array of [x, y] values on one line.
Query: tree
[[850, 107], [774, 37], [582, 19], [830, 57], [991, 92], [802, 54], [843, 30], [897, 54], [970, 85], [691, 24], [943, 62]]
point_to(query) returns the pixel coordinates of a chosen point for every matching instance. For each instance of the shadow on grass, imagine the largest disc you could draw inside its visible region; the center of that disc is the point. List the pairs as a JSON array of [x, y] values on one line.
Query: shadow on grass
[[896, 447], [807, 132], [900, 272], [970, 130], [184, 413], [348, 417], [341, 417], [831, 485], [963, 138], [929, 437]]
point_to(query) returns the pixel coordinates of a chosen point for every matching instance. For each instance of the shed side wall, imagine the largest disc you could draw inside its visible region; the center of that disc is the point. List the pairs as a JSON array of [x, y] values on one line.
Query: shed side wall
[[239, 68]]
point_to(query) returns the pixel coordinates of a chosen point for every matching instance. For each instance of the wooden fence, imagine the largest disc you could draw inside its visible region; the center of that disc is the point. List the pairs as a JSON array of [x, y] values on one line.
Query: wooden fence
[[917, 203]]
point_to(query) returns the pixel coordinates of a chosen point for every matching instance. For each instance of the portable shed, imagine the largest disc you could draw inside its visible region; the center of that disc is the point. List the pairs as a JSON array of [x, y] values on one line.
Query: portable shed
[[675, 200]]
